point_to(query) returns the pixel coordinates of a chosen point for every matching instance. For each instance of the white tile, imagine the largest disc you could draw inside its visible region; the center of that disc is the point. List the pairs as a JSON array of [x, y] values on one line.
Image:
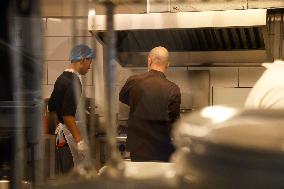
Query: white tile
[[58, 27], [47, 90], [249, 75], [63, 27], [51, 7], [64, 8], [58, 48], [82, 27], [235, 97], [223, 77], [83, 40], [55, 68], [123, 74], [81, 8]]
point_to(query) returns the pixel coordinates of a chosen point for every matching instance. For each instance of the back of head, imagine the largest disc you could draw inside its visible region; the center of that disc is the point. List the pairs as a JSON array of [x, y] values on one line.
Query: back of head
[[159, 57], [80, 52]]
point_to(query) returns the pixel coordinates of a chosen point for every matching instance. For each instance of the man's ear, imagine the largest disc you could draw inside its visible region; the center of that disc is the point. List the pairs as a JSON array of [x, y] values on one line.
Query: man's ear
[[82, 61], [149, 61]]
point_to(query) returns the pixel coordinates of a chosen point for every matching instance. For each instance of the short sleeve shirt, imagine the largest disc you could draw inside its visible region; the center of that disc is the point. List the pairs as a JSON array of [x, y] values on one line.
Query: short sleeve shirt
[[65, 95]]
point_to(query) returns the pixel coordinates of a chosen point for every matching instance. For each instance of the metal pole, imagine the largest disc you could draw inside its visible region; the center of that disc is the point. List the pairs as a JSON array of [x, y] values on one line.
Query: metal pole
[[18, 138], [27, 66], [110, 98]]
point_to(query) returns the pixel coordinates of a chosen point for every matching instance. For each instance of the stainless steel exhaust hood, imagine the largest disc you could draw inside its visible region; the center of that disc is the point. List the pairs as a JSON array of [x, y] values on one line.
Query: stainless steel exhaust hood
[[209, 38]]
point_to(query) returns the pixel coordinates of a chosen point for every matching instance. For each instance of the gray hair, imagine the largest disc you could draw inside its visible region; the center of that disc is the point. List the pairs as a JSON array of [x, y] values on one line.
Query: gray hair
[[159, 55]]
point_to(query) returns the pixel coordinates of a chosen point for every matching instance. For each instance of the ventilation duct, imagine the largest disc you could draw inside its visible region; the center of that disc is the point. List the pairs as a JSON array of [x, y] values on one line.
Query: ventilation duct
[[209, 38]]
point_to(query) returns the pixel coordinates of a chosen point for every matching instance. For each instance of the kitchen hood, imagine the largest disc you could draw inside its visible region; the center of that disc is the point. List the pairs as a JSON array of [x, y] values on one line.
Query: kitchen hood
[[209, 38]]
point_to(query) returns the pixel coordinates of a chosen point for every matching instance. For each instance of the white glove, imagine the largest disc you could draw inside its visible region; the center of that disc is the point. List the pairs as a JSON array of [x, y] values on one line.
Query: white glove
[[82, 148]]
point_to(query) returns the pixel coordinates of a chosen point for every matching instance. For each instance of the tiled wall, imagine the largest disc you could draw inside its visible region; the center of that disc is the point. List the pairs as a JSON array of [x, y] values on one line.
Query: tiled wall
[[231, 85], [228, 85], [58, 41]]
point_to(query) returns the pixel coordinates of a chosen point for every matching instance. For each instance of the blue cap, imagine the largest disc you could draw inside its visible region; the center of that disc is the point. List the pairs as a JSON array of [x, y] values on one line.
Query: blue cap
[[80, 52]]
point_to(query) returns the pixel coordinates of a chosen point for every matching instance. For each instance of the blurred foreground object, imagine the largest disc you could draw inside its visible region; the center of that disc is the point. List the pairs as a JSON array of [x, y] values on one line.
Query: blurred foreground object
[[268, 92], [137, 175], [222, 147], [21, 139]]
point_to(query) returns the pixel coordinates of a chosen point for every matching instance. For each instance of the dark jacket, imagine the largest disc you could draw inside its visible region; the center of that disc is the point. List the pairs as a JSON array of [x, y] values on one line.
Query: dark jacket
[[154, 105]]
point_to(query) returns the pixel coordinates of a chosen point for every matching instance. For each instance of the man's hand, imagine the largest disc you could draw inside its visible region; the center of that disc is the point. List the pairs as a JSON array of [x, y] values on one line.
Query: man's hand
[[82, 148]]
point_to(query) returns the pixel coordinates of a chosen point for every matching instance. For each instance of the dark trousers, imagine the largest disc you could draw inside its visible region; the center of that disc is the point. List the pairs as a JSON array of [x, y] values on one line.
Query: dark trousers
[[64, 159]]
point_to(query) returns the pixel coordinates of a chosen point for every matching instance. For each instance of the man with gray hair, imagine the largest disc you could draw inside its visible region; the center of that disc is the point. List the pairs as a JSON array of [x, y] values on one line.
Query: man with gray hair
[[154, 105]]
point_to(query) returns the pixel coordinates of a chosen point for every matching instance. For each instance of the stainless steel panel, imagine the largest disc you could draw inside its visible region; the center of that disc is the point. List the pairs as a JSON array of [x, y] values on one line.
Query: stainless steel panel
[[180, 20], [230, 96], [224, 76], [201, 5], [207, 46], [194, 86], [252, 4], [249, 76], [201, 58]]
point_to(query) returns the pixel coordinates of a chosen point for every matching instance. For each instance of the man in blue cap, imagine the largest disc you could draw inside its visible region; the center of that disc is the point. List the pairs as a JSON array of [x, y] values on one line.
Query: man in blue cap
[[70, 146]]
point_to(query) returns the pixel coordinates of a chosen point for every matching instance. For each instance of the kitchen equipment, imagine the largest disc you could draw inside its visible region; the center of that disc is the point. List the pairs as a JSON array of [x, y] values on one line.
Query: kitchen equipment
[[222, 147], [5, 184]]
